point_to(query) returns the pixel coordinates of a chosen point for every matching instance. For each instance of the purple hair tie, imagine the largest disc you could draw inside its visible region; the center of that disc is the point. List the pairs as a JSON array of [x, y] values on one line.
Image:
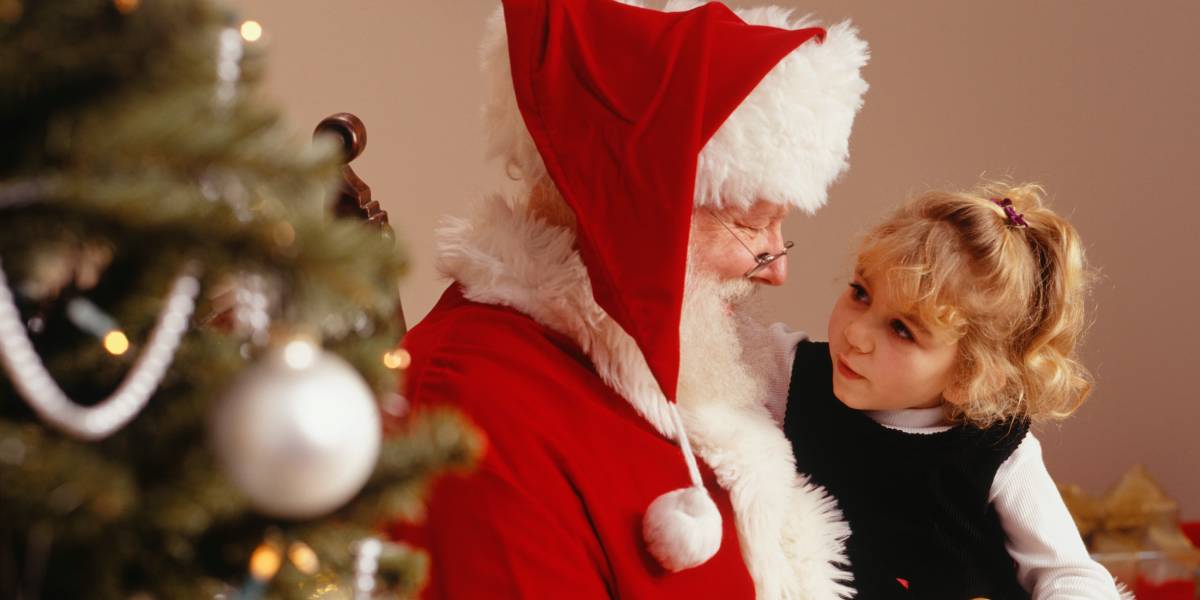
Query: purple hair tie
[[1014, 218]]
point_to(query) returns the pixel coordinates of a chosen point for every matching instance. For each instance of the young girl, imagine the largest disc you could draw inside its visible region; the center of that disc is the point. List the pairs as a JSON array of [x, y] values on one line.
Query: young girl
[[957, 330]]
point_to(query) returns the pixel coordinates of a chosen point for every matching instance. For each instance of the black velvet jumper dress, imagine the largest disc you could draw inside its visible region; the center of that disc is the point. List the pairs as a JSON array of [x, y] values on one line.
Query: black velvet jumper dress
[[917, 504]]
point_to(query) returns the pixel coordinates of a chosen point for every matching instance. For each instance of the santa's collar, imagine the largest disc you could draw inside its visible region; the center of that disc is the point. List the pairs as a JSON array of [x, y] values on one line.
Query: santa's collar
[[791, 532], [504, 256]]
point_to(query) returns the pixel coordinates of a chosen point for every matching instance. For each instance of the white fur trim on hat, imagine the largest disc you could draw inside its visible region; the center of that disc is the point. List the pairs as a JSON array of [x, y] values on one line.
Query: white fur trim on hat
[[785, 143]]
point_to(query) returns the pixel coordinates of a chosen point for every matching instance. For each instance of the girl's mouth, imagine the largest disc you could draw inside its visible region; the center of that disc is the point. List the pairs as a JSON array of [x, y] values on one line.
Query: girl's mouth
[[846, 371]]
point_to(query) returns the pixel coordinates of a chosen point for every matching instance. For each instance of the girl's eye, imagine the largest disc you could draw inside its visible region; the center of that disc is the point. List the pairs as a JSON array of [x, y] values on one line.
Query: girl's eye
[[859, 293], [901, 330]]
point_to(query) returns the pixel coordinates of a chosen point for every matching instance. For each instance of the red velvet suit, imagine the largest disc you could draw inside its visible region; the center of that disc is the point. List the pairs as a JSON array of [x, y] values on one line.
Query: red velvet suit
[[563, 344]]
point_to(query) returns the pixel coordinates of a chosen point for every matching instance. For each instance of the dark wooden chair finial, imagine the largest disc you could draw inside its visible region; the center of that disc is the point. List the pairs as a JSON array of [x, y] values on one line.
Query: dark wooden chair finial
[[354, 196]]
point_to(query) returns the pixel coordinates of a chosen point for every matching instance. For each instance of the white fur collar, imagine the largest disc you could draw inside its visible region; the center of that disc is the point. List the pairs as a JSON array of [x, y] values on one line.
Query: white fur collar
[[791, 533]]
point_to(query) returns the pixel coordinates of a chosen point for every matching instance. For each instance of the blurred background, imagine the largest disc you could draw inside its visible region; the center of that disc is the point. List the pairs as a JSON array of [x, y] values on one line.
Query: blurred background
[[1092, 99]]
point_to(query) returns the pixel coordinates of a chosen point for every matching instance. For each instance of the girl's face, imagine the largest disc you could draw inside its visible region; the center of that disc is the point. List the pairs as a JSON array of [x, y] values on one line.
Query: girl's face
[[884, 360]]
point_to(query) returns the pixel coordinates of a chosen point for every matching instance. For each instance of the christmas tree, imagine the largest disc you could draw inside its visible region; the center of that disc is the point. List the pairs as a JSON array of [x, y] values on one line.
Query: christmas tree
[[199, 359]]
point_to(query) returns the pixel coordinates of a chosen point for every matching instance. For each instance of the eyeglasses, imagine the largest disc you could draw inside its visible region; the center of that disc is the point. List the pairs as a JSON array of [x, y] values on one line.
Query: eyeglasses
[[762, 260]]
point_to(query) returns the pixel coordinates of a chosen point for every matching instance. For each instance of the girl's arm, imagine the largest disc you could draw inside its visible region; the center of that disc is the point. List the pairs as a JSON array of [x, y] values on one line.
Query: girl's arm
[[1052, 561]]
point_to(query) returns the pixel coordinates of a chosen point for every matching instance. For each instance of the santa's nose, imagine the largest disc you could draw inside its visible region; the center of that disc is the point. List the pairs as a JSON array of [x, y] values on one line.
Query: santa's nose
[[774, 273]]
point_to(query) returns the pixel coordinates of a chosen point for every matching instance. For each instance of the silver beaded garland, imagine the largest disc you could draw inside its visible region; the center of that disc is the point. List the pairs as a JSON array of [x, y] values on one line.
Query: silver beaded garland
[[37, 386]]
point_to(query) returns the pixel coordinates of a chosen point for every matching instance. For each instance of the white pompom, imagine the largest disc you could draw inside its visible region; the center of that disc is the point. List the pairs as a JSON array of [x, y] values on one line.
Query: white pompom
[[682, 528]]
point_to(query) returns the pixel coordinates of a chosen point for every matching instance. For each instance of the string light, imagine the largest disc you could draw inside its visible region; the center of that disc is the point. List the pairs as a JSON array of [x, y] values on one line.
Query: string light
[[299, 354], [265, 562], [304, 558], [251, 31], [397, 359], [116, 343]]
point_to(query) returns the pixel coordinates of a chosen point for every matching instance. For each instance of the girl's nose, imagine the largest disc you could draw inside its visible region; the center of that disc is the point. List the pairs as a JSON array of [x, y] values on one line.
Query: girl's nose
[[858, 336]]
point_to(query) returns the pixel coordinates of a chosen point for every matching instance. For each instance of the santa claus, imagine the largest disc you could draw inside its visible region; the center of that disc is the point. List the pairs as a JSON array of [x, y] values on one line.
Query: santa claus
[[595, 329]]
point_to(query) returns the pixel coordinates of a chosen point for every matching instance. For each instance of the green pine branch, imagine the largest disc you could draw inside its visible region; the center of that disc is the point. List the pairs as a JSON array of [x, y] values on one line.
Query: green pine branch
[[115, 136]]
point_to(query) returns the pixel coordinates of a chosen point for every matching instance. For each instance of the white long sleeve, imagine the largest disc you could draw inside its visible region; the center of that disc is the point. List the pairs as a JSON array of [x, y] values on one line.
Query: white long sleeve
[[1052, 561]]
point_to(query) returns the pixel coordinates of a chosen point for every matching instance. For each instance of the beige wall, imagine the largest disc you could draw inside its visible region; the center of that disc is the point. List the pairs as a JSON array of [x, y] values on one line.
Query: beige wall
[[1099, 101]]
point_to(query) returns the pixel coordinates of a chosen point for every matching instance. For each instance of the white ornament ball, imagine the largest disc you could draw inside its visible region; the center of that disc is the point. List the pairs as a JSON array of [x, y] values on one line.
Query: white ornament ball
[[298, 432]]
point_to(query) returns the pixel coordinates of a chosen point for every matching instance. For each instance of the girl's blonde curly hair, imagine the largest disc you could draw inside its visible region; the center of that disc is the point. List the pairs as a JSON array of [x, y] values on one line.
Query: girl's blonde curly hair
[[1011, 294]]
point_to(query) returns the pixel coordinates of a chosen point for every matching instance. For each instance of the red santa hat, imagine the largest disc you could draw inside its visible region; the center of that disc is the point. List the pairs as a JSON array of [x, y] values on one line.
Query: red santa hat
[[639, 117]]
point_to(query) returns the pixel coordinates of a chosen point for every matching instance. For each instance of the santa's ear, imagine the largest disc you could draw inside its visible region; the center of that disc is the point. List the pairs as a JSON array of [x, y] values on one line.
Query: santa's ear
[[547, 203]]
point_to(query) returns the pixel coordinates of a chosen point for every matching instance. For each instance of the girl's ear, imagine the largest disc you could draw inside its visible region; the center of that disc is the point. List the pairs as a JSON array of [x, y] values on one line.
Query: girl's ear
[[990, 383]]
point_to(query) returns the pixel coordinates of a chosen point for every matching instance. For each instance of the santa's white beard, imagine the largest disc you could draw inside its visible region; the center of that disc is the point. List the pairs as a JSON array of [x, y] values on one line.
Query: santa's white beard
[[719, 338]]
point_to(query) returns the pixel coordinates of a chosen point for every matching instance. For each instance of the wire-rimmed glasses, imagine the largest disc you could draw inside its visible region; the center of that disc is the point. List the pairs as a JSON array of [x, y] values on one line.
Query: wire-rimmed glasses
[[761, 260]]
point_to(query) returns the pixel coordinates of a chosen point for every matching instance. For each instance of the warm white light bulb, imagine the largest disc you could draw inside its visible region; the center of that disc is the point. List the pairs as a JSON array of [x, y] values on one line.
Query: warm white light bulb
[[251, 31], [299, 354], [304, 558], [115, 342], [265, 562], [397, 359]]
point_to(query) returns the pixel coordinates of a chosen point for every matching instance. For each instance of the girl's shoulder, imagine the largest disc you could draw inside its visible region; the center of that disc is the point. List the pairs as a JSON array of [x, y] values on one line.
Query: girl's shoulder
[[774, 357]]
